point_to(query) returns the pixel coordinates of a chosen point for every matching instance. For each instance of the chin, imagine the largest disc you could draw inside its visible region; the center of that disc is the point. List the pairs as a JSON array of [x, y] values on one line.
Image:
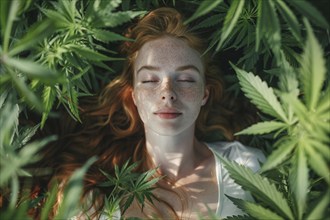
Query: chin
[[168, 130]]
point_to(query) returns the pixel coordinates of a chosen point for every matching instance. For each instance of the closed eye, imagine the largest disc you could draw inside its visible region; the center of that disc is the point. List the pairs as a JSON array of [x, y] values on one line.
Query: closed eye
[[186, 80], [149, 81]]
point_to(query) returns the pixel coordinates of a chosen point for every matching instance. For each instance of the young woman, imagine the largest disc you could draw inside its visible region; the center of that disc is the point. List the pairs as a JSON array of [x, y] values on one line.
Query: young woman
[[158, 112]]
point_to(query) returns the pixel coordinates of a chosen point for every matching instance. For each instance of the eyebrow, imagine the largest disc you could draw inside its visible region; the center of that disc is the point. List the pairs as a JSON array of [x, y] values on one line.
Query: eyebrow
[[147, 67], [188, 67], [181, 68]]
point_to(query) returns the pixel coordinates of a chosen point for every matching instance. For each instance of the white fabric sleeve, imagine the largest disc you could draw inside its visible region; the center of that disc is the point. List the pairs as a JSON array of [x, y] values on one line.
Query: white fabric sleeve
[[246, 156]]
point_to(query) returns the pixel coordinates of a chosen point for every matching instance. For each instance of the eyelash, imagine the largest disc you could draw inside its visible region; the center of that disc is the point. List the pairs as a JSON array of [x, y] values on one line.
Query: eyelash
[[186, 80], [149, 81]]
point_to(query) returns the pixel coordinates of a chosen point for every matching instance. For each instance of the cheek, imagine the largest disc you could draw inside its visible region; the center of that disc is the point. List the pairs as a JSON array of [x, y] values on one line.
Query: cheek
[[144, 95], [192, 95], [144, 100]]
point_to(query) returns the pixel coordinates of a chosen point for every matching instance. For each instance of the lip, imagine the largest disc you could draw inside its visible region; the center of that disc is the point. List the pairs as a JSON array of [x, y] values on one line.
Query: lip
[[168, 113]]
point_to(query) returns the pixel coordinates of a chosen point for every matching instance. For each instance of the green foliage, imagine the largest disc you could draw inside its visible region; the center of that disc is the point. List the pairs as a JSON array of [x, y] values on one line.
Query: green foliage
[[69, 206], [75, 48], [303, 129], [15, 149], [260, 94], [260, 187], [259, 29], [70, 203], [255, 210], [55, 52], [64, 51], [51, 59], [231, 19], [203, 9], [127, 187]]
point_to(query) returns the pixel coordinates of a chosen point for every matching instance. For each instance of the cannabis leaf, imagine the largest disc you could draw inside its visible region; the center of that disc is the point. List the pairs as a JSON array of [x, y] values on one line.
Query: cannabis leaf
[[231, 19], [263, 127], [127, 186], [260, 187], [260, 94], [203, 9], [312, 71], [304, 134], [255, 210], [69, 206]]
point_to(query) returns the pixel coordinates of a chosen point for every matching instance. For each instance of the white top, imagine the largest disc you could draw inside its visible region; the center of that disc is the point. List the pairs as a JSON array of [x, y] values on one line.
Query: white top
[[246, 156], [234, 151]]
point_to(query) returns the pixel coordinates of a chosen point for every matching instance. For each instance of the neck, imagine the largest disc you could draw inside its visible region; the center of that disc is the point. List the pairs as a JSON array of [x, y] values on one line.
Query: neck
[[176, 156]]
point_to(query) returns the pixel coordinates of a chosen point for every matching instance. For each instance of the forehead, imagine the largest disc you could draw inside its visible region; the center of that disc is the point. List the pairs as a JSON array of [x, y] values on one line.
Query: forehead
[[169, 52]]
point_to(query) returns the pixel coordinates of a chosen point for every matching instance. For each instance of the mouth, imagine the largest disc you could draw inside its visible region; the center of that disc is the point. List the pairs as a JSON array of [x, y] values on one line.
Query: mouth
[[168, 113]]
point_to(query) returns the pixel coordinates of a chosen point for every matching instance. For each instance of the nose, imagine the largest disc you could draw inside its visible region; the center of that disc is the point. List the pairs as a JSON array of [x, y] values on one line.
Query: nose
[[167, 92]]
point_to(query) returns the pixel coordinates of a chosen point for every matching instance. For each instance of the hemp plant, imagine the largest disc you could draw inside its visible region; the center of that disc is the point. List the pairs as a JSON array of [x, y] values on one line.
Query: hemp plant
[[53, 53], [293, 182], [128, 186]]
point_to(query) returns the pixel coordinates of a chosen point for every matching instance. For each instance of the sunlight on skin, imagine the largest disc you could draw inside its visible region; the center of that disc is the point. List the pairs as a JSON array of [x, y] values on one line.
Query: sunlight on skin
[[169, 91], [169, 100]]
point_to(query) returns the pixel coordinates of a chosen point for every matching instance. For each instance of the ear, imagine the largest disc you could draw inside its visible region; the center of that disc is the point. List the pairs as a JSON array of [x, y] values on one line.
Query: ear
[[133, 96], [206, 95]]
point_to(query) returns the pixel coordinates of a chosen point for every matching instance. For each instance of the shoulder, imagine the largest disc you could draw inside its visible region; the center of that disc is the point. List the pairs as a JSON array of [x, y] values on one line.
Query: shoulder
[[236, 151]]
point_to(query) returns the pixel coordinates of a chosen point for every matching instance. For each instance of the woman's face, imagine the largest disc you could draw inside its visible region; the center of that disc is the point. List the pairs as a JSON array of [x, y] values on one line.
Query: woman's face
[[169, 86]]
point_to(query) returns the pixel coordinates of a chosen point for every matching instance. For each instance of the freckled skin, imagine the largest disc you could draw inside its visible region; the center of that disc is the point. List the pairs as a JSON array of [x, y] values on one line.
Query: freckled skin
[[168, 74], [165, 85]]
